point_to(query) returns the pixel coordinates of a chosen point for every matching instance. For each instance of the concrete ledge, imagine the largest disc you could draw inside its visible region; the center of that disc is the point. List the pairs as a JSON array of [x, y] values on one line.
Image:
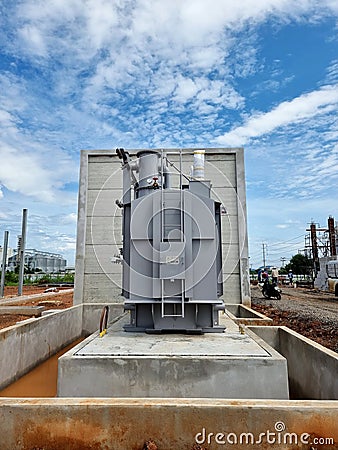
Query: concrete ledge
[[23, 310], [312, 368], [244, 315], [120, 424]]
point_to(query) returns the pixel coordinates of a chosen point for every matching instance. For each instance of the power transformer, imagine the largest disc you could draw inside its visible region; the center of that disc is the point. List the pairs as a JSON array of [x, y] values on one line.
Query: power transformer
[[171, 255]]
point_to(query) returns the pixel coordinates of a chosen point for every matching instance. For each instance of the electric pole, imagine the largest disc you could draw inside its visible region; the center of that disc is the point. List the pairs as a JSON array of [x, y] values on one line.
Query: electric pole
[[22, 251], [4, 262], [264, 254]]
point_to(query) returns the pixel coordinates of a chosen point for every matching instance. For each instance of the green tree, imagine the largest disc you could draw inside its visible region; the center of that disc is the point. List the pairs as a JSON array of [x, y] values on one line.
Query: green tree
[[300, 265]]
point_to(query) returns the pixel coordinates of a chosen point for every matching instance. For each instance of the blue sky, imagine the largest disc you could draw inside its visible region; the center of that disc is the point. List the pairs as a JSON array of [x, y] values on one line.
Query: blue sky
[[100, 74]]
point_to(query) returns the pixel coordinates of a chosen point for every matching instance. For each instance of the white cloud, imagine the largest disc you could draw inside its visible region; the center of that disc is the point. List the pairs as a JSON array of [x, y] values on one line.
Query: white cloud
[[332, 72], [21, 172], [70, 218], [306, 106], [186, 89], [33, 39], [195, 33]]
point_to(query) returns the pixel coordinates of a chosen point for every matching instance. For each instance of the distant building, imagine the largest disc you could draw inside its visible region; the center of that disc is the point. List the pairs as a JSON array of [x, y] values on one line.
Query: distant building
[[10, 253], [44, 261]]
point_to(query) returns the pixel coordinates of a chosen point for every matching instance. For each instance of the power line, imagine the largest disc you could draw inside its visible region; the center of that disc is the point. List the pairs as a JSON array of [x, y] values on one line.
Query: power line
[[289, 240]]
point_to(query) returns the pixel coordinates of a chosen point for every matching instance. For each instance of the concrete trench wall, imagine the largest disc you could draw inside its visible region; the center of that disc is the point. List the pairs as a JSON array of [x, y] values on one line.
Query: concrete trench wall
[[120, 424], [312, 368], [25, 345], [244, 315]]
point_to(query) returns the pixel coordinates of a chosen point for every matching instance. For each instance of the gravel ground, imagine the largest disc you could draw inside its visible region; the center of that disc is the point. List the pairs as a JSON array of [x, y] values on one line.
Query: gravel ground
[[311, 313]]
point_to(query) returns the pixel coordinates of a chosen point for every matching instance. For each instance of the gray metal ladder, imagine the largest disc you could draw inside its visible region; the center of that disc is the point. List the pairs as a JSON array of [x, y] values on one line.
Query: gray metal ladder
[[163, 226]]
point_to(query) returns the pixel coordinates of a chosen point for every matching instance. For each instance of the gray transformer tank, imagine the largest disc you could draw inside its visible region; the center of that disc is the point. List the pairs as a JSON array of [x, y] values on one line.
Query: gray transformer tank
[[172, 258]]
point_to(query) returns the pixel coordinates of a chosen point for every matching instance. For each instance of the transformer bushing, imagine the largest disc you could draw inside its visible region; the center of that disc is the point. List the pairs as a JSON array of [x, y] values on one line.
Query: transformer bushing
[[172, 258]]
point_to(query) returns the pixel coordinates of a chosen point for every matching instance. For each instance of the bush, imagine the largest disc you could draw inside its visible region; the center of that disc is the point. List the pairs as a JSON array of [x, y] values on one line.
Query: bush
[[11, 278], [49, 279]]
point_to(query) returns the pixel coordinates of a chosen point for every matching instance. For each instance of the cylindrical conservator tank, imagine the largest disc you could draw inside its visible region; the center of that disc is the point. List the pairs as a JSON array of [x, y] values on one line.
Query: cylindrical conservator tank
[[172, 261], [148, 170]]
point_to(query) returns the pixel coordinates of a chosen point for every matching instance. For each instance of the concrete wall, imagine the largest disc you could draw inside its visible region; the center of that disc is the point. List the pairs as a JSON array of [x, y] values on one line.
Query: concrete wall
[[312, 368], [169, 376], [99, 237], [27, 344], [244, 315], [24, 346], [120, 424]]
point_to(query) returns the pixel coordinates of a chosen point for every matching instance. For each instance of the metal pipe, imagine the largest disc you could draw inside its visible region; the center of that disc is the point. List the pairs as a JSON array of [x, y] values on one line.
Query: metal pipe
[[104, 321], [22, 250], [4, 262], [166, 175]]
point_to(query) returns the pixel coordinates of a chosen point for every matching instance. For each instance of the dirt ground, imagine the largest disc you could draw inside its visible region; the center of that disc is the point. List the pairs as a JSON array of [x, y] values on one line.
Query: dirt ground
[[312, 313], [59, 300]]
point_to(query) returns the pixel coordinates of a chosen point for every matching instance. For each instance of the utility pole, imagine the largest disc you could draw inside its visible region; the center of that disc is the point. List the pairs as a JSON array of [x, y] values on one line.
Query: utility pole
[[22, 250], [332, 236], [283, 259], [4, 263], [264, 254]]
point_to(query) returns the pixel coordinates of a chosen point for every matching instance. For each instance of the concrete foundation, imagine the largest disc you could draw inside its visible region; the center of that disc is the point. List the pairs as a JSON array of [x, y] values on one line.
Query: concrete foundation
[[224, 365]]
